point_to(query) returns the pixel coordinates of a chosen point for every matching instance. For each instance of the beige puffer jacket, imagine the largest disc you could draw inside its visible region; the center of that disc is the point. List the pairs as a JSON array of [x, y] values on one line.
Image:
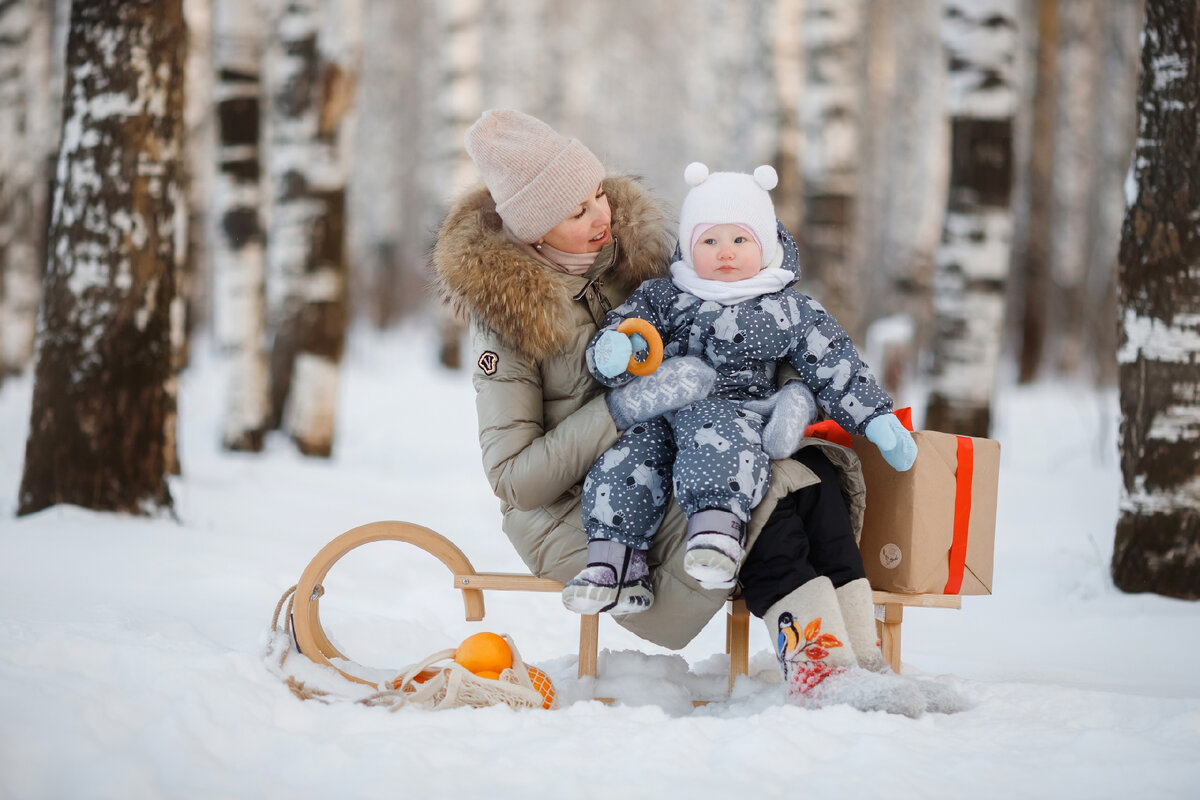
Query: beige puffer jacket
[[543, 420]]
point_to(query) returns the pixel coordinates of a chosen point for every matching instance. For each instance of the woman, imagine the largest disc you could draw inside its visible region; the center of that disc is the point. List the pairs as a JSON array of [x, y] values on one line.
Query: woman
[[536, 258]]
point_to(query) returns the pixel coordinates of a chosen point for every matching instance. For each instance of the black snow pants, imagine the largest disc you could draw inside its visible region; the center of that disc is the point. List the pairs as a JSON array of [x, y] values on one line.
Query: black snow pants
[[807, 535]]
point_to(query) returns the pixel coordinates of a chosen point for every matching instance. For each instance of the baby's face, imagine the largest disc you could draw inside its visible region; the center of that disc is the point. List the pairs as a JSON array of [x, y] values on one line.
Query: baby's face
[[727, 253]]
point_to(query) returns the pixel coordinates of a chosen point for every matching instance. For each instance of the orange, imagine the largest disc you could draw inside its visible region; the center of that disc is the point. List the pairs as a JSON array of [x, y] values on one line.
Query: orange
[[484, 651], [541, 682], [489, 674]]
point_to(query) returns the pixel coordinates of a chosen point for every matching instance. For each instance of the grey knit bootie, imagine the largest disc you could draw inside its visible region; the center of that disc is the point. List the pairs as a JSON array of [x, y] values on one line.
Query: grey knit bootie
[[714, 548], [616, 579]]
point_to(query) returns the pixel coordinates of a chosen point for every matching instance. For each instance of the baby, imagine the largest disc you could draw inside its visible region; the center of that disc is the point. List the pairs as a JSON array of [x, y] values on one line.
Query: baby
[[729, 311]]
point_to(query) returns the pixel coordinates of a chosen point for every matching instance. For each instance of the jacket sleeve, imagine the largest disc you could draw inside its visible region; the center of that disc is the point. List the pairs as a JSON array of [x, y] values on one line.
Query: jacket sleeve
[[828, 362], [528, 466], [639, 304]]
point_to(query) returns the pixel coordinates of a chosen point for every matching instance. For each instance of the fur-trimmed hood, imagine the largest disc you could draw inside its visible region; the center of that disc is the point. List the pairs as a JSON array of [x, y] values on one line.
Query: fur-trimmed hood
[[480, 272]]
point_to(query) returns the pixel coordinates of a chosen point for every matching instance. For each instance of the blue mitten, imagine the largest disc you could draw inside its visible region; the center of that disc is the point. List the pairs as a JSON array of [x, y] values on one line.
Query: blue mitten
[[790, 411], [895, 444], [677, 383], [611, 353]]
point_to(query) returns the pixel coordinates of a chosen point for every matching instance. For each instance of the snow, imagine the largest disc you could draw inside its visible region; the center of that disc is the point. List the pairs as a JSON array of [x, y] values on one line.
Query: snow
[[132, 651]]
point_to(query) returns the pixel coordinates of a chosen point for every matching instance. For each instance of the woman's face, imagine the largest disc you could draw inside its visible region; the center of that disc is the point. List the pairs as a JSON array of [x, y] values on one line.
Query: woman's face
[[586, 230]]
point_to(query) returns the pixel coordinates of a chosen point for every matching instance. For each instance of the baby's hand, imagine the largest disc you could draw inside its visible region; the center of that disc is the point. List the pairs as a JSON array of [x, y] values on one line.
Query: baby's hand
[[611, 353], [895, 444]]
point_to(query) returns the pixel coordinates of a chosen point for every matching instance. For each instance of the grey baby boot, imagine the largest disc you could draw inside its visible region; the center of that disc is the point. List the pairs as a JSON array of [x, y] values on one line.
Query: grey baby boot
[[616, 579], [714, 548]]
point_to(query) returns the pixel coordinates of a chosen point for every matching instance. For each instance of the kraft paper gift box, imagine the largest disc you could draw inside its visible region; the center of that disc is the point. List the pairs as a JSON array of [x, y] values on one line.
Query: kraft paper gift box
[[931, 529]]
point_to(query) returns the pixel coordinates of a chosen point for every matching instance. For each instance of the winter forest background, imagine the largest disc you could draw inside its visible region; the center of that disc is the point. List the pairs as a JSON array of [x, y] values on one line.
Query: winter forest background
[[980, 188], [218, 351]]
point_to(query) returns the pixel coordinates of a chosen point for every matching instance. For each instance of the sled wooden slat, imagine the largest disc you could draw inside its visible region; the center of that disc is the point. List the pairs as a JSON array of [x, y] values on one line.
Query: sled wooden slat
[[889, 614], [506, 582]]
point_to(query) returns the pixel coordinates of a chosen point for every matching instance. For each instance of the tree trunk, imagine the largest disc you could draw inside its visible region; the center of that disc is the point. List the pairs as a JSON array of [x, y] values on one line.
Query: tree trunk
[[239, 246], [24, 58], [1037, 262], [1077, 165], [461, 104], [306, 240], [97, 431], [834, 75], [903, 199], [971, 270], [787, 53], [1115, 100], [1157, 546]]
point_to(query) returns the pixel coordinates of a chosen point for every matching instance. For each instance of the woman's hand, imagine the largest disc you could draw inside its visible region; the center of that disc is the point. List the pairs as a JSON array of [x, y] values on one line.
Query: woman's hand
[[678, 382], [791, 410]]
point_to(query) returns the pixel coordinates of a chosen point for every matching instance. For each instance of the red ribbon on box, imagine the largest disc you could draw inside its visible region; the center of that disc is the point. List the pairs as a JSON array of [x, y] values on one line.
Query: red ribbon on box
[[962, 514], [833, 432]]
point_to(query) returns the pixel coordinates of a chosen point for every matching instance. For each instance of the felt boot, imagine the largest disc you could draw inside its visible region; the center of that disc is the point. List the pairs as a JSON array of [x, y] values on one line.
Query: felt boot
[[858, 612], [818, 661], [714, 548], [616, 579]]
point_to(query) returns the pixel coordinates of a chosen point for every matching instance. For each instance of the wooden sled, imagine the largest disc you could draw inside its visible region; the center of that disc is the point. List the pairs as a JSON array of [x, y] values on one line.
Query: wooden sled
[[313, 643]]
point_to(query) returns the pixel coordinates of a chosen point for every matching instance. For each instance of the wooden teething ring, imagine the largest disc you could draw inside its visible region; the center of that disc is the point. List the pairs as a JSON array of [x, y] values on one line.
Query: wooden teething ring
[[650, 334], [306, 622]]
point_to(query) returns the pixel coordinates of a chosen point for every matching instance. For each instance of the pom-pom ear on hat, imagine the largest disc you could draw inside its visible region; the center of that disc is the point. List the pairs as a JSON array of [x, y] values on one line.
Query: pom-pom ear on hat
[[766, 177], [695, 173]]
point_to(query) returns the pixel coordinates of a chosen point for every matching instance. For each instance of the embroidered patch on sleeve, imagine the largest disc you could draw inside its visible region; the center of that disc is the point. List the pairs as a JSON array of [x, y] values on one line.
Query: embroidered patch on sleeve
[[488, 362]]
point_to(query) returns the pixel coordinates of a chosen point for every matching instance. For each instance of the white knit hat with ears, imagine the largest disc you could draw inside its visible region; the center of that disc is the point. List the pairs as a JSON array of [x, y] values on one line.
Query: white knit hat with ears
[[729, 197]]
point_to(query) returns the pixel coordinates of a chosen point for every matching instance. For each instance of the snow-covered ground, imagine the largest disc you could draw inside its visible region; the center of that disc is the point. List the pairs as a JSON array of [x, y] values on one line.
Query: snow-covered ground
[[132, 650]]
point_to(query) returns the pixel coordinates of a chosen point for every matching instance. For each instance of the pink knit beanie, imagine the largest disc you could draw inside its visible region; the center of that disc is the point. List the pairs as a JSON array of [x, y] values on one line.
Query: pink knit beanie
[[536, 176]]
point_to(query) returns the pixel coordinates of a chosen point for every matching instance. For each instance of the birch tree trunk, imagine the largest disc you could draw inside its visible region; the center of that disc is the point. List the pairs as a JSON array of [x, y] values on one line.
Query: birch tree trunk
[[1037, 264], [24, 64], [834, 80], [460, 104], [306, 239], [903, 199], [1116, 102], [788, 66], [971, 270], [1077, 166], [1157, 546], [97, 431], [239, 246]]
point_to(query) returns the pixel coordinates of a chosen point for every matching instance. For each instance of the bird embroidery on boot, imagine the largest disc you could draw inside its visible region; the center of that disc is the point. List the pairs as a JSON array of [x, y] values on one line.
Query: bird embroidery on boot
[[802, 654]]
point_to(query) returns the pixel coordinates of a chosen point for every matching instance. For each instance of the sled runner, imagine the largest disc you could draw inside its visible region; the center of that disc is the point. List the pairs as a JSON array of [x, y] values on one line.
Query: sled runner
[[313, 642]]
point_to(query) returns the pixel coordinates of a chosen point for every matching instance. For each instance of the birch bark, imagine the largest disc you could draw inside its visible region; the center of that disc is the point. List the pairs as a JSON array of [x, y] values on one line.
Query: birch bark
[[239, 260], [24, 79], [98, 425], [1157, 545], [313, 86], [972, 263], [834, 85], [460, 104]]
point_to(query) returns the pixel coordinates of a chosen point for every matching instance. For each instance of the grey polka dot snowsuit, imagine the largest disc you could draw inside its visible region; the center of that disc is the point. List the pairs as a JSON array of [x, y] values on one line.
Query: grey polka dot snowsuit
[[710, 453]]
